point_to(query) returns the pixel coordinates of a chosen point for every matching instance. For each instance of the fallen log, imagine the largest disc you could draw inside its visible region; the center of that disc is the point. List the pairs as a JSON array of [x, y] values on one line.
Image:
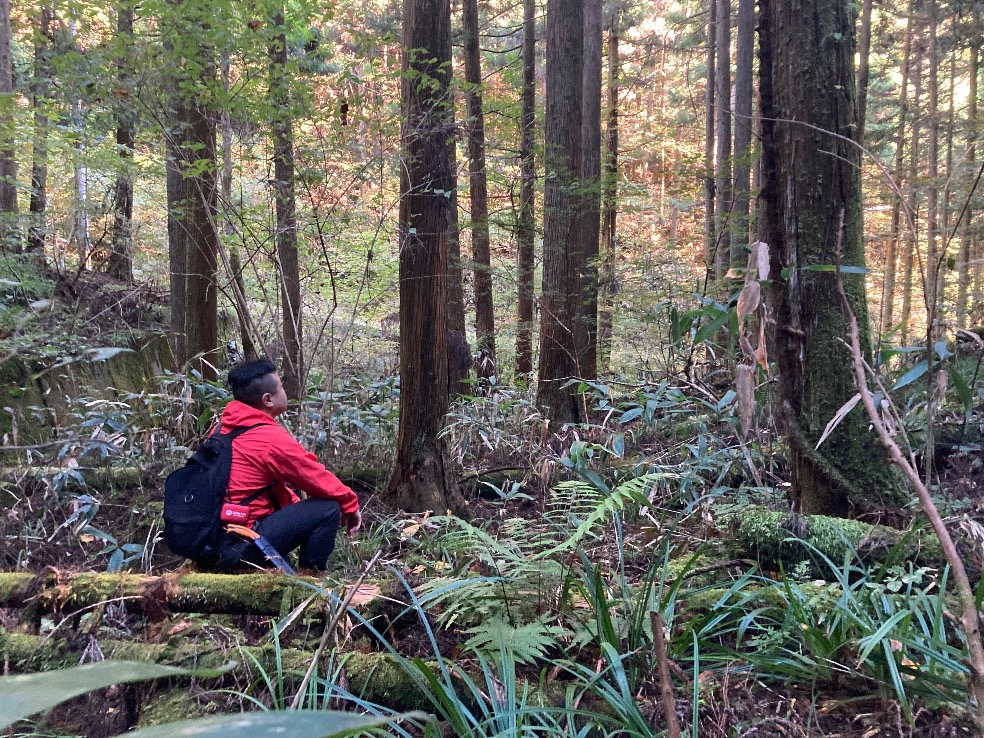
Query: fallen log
[[376, 677], [783, 540], [158, 596]]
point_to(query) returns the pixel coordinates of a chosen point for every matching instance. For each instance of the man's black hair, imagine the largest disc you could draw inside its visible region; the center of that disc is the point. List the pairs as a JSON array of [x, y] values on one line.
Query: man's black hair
[[251, 380]]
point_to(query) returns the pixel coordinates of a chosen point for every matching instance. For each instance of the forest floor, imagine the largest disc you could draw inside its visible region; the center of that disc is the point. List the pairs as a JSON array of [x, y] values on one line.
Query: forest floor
[[572, 544]]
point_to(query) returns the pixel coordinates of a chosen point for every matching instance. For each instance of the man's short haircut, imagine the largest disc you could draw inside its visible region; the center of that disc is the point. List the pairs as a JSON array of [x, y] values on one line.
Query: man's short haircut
[[251, 380]]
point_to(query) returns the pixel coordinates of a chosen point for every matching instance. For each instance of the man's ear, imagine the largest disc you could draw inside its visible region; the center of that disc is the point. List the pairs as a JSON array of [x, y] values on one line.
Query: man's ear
[[266, 400]]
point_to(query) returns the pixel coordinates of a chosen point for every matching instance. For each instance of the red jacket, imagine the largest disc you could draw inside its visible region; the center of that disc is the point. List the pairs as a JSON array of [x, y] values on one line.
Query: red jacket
[[270, 454]]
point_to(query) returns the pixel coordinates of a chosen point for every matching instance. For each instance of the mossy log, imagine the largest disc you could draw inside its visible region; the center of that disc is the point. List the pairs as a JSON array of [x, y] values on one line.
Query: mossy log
[[778, 539], [157, 596], [376, 677]]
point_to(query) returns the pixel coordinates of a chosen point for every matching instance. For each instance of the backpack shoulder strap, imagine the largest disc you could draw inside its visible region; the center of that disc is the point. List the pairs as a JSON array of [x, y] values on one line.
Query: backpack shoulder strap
[[233, 435]]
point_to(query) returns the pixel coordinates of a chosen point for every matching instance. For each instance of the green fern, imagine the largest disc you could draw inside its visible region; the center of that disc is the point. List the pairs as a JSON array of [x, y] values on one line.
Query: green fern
[[525, 643]]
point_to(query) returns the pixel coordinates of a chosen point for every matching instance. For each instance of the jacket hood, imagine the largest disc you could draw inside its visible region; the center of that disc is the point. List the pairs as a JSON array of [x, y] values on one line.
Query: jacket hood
[[238, 415]]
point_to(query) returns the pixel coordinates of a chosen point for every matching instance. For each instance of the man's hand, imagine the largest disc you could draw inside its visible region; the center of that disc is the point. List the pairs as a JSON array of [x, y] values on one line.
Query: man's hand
[[352, 522]]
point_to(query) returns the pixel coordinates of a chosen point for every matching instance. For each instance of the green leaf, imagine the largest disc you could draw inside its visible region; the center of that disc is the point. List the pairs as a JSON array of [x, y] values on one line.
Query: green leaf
[[26, 694], [284, 724], [630, 415], [911, 376], [709, 329]]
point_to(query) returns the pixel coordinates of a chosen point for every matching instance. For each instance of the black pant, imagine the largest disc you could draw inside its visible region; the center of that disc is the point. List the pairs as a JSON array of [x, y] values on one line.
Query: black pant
[[309, 526]]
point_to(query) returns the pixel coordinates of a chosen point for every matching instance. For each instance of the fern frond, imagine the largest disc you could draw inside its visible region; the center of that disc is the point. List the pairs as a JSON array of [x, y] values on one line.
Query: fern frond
[[634, 490], [526, 643]]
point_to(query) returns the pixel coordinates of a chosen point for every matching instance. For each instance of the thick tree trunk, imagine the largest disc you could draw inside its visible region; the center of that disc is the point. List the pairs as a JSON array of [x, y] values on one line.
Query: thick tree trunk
[[192, 193], [563, 256], [811, 218], [38, 224], [478, 194], [422, 479], [120, 263], [608, 284], [526, 228], [10, 236], [744, 57], [587, 324], [283, 186], [722, 187]]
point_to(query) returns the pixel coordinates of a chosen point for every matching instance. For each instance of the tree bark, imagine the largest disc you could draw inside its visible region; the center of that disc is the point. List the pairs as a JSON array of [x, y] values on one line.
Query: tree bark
[[608, 286], [478, 194], [120, 263], [744, 57], [811, 219], [282, 129], [10, 236], [587, 323], [912, 193], [422, 479], [722, 90], [37, 225], [710, 101], [864, 55], [932, 274], [526, 228], [192, 195], [563, 256], [964, 279]]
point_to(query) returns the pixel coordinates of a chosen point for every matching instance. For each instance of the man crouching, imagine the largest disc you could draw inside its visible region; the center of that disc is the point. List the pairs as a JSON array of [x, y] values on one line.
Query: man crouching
[[264, 461]]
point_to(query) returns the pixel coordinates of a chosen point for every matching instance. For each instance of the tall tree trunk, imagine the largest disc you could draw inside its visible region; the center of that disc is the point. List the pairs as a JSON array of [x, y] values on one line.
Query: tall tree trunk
[[587, 323], [283, 187], [526, 228], [192, 189], [965, 224], [80, 208], [811, 216], [722, 89], [421, 478], [912, 190], [563, 261], [10, 236], [895, 235], [120, 263], [608, 286], [710, 100], [478, 194], [459, 353], [744, 57], [38, 224], [864, 54]]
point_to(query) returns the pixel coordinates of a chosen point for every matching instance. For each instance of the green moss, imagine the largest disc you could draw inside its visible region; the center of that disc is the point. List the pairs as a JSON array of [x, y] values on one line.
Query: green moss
[[769, 537], [172, 706]]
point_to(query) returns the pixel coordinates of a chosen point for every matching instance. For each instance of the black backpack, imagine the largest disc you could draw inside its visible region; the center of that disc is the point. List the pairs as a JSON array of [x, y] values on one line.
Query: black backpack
[[193, 499]]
